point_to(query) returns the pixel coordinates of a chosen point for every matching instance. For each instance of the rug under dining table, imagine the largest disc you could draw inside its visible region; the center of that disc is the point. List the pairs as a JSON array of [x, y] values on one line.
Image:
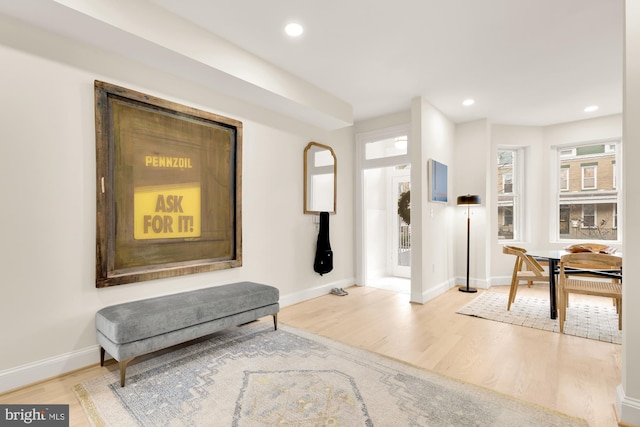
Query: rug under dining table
[[587, 320]]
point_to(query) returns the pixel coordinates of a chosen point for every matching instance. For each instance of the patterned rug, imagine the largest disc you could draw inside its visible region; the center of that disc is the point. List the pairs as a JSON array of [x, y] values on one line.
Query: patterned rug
[[255, 376], [593, 321]]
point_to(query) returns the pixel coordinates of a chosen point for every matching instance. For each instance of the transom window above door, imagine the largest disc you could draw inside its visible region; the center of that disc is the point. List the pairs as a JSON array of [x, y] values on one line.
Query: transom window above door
[[390, 147]]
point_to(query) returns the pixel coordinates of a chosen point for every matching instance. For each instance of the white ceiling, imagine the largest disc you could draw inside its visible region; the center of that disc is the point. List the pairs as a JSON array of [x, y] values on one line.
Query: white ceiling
[[528, 62], [525, 62]]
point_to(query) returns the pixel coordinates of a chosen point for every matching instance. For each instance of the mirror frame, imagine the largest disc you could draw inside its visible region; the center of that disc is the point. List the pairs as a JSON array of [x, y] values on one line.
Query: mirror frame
[[306, 179]]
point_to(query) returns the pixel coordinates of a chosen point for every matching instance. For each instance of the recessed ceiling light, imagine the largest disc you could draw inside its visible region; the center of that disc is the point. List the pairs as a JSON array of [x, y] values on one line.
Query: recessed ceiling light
[[591, 109], [293, 29], [468, 102]]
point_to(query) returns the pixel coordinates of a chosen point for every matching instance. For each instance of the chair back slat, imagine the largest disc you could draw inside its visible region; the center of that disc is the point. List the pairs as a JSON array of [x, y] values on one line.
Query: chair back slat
[[591, 260]]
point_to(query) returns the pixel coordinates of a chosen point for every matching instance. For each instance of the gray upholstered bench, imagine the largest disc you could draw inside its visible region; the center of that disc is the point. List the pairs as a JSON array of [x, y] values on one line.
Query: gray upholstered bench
[[139, 327]]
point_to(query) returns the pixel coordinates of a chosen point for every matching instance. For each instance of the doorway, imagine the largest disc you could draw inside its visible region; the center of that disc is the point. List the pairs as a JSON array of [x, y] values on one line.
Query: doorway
[[385, 240], [388, 236]]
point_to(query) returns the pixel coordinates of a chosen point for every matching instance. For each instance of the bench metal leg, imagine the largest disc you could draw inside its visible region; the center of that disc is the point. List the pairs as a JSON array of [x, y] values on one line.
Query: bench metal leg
[[275, 321], [123, 369], [123, 365]]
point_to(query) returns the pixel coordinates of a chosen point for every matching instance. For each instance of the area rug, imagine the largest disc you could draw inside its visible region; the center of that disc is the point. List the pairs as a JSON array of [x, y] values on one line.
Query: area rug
[[593, 321], [255, 376]]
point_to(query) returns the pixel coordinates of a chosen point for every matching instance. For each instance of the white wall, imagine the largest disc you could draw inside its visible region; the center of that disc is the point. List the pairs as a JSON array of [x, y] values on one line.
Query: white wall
[[472, 159], [49, 298], [432, 244], [628, 399]]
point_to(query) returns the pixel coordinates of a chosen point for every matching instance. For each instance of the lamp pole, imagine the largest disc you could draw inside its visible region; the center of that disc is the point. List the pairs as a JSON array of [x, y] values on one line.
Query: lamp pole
[[468, 289], [468, 200]]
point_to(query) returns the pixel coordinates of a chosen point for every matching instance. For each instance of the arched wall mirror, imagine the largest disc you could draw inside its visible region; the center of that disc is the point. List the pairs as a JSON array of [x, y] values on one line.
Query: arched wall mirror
[[320, 169]]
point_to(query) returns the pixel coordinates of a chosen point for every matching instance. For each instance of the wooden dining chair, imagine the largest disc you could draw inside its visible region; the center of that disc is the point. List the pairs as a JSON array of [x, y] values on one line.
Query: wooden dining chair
[[525, 269], [577, 282], [591, 247]]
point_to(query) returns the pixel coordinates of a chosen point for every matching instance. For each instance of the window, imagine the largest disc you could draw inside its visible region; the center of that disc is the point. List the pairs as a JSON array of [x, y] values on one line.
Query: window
[[588, 215], [587, 202], [508, 217], [564, 179], [507, 183], [568, 152], [509, 187], [589, 177], [389, 147]]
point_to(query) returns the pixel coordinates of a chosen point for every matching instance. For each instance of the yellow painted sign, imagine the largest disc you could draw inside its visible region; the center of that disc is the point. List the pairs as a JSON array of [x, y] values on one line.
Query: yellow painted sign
[[166, 211]]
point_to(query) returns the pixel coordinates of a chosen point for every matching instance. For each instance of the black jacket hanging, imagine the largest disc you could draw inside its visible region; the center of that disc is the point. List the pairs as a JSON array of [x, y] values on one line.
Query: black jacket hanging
[[324, 255]]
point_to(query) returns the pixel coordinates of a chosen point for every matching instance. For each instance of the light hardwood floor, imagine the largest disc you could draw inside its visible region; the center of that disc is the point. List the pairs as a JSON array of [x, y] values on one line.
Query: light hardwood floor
[[571, 375]]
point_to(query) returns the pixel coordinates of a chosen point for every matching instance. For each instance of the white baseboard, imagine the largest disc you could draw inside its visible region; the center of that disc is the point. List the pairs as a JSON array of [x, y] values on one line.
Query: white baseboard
[[473, 283], [628, 407], [433, 292], [47, 368], [307, 294], [500, 281]]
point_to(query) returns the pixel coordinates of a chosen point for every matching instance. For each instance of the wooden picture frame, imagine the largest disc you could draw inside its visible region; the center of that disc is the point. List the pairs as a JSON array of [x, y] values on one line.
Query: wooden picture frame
[[438, 191], [169, 199]]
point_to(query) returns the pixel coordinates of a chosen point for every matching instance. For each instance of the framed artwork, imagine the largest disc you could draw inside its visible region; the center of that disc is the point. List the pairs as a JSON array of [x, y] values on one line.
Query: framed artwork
[[438, 185], [169, 197]]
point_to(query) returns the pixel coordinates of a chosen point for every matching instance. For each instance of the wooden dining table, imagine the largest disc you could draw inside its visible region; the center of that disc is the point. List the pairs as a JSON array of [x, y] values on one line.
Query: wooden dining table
[[553, 257]]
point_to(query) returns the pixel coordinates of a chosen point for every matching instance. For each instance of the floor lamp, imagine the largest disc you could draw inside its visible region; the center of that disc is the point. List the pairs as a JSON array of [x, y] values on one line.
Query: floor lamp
[[468, 200]]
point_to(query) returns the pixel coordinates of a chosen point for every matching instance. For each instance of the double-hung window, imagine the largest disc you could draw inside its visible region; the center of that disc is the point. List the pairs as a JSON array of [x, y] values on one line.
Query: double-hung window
[[588, 192], [589, 176], [509, 181]]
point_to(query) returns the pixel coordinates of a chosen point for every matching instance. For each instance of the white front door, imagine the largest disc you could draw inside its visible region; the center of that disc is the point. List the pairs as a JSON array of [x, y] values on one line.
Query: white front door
[[400, 231]]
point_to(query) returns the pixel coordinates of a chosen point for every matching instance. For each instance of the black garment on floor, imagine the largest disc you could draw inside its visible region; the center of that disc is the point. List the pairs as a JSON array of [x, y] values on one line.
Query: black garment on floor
[[324, 255]]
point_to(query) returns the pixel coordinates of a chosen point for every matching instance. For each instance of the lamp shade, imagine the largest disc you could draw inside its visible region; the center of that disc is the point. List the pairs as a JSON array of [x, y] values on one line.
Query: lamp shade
[[469, 200]]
